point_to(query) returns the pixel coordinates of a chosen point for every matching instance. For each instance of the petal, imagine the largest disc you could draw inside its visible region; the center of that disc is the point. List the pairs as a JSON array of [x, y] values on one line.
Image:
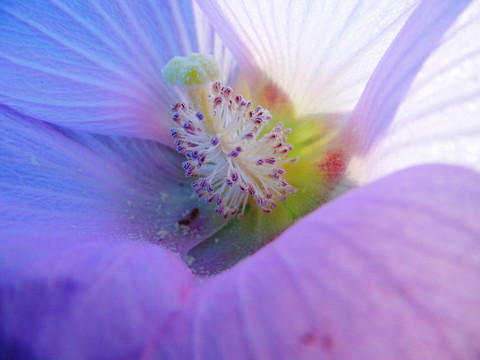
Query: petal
[[439, 118], [388, 271], [87, 187], [321, 53], [95, 66], [64, 299]]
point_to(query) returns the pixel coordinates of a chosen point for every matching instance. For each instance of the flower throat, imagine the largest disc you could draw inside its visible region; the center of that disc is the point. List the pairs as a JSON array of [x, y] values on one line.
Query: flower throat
[[224, 141]]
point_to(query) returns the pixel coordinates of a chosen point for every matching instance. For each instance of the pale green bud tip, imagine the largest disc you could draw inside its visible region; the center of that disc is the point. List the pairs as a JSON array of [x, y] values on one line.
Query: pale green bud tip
[[194, 70]]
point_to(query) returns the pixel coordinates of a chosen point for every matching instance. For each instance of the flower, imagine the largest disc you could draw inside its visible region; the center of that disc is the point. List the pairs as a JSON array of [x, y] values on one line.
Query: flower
[[387, 271]]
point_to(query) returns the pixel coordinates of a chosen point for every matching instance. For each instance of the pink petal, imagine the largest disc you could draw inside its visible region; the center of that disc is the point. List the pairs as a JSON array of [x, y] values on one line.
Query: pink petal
[[389, 271]]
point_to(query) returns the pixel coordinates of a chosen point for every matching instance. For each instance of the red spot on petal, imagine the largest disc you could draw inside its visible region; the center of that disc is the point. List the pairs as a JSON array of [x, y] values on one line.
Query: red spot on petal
[[327, 342], [272, 97], [308, 339], [333, 164], [312, 338]]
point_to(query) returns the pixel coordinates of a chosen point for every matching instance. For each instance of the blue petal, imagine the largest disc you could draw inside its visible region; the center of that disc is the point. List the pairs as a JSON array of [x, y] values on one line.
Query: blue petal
[[94, 66], [55, 182], [64, 299]]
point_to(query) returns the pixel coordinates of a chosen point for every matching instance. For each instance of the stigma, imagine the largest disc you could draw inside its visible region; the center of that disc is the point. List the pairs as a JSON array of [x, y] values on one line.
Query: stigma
[[224, 141]]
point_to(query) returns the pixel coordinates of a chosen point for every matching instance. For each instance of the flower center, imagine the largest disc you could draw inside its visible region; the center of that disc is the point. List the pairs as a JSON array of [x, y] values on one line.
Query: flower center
[[224, 141]]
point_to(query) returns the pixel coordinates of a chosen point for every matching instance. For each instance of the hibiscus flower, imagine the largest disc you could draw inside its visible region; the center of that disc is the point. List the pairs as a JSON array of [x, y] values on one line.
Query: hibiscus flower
[[106, 252]]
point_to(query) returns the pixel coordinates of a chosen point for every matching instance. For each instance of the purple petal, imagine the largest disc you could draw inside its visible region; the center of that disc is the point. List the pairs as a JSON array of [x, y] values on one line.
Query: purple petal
[[320, 53], [394, 75], [63, 299], [388, 271], [94, 66], [87, 187]]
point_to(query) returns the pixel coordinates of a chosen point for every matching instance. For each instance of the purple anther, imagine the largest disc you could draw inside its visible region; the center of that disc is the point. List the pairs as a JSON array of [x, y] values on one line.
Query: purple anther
[[260, 162], [186, 165], [229, 182], [176, 117], [199, 116], [219, 200], [242, 188], [273, 204], [187, 125], [257, 109], [239, 149], [251, 189], [233, 153], [201, 158], [227, 91], [269, 195], [284, 183], [234, 176], [267, 211], [215, 140], [216, 87], [209, 188], [173, 132], [261, 201], [258, 120], [239, 99], [210, 199], [190, 173], [217, 101], [180, 149], [249, 135], [270, 160], [203, 183], [281, 171], [178, 106]]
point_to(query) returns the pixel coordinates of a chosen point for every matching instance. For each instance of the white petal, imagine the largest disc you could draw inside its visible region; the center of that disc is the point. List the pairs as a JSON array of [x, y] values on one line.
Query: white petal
[[320, 52], [439, 121]]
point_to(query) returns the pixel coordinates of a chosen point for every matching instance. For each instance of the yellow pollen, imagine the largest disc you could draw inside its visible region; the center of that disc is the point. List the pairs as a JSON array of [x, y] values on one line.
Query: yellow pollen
[[194, 73]]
